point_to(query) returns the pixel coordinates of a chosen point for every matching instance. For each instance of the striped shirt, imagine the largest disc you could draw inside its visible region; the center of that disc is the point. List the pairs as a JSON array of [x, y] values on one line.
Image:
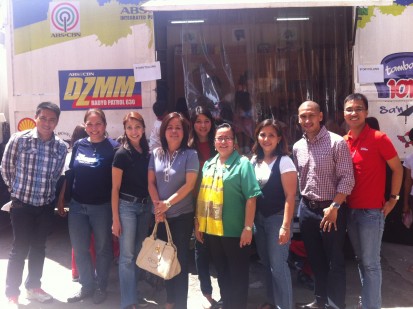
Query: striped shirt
[[324, 166], [31, 167]]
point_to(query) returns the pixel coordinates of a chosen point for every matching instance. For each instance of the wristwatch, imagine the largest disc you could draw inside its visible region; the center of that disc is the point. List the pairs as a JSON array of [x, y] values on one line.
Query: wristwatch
[[168, 204], [335, 205], [248, 228], [395, 196]]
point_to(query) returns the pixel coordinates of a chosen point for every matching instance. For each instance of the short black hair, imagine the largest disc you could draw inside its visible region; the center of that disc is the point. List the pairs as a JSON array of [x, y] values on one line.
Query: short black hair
[[159, 108], [225, 125], [50, 106], [358, 97]]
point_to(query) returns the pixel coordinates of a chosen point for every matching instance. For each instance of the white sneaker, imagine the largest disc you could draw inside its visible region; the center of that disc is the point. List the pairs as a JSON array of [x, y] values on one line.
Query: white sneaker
[[39, 295]]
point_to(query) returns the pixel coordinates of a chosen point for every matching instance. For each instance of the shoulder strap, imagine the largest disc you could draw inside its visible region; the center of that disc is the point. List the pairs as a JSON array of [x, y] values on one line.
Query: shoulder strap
[[276, 163]]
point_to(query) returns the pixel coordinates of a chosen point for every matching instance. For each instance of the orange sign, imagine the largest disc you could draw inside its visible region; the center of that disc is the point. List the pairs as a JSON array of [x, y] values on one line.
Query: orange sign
[[26, 124]]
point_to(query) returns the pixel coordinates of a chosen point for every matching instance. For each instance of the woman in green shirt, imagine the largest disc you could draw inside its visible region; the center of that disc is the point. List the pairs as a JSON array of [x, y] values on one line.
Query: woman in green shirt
[[225, 211]]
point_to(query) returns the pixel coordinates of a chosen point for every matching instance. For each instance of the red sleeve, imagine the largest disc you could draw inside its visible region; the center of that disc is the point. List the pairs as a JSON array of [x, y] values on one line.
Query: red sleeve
[[386, 147]]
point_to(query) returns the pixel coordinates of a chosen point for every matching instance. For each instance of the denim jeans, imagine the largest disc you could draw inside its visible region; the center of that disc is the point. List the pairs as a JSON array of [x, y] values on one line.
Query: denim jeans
[[274, 258], [181, 230], [325, 252], [134, 220], [31, 226], [365, 229], [83, 220]]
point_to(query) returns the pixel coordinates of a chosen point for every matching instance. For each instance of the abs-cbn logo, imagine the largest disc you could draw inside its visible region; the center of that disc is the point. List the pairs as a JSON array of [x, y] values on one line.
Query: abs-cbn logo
[[398, 77], [64, 17]]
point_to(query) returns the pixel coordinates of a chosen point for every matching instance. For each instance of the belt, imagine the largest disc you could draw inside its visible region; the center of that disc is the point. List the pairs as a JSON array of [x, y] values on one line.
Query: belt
[[133, 199], [316, 204]]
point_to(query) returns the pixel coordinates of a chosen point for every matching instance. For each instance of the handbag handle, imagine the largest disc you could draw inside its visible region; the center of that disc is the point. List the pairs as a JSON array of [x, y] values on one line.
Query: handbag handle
[[168, 231]]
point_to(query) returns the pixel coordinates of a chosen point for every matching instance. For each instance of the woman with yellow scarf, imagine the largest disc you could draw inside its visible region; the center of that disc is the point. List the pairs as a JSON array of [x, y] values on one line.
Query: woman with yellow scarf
[[225, 211]]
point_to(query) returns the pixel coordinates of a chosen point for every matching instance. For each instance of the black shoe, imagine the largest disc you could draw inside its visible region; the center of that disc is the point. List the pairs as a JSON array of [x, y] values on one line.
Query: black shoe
[[218, 305], [305, 280], [99, 296], [313, 305], [266, 306], [82, 294]]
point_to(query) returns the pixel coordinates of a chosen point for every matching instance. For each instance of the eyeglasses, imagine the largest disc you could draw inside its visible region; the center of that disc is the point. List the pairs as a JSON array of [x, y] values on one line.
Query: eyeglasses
[[356, 110], [224, 139]]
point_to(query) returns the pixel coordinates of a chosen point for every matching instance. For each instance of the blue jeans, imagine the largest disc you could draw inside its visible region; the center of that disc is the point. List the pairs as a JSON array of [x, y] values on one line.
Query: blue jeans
[[83, 220], [181, 230], [31, 226], [274, 258], [365, 229], [134, 220], [325, 252]]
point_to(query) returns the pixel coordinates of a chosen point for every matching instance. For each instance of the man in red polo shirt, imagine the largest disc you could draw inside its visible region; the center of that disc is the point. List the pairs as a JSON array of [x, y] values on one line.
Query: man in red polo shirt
[[370, 151]]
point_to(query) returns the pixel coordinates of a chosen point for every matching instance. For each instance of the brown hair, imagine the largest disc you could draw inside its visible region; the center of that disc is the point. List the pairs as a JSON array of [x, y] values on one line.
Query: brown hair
[[78, 133], [193, 137], [164, 125], [143, 141], [282, 147], [96, 111]]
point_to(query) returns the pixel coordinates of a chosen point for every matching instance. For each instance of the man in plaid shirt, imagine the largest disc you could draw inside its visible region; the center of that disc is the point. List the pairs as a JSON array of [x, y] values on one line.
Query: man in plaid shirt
[[325, 177], [32, 163]]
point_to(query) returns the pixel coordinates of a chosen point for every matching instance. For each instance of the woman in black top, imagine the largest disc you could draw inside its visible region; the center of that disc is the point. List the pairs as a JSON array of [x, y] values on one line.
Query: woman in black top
[[131, 206]]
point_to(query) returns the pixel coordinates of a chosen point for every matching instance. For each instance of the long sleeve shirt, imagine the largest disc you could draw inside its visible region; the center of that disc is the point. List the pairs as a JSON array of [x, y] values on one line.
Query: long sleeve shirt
[[324, 166], [31, 167]]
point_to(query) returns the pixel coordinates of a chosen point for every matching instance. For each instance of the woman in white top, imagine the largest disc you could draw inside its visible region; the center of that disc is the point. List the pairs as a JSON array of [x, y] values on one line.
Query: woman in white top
[[277, 177]]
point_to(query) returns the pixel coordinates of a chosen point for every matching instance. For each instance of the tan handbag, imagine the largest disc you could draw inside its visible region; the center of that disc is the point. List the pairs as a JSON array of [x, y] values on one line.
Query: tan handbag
[[159, 257]]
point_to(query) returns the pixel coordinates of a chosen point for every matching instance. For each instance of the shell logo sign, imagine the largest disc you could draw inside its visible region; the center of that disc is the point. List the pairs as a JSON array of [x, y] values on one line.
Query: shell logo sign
[[26, 124]]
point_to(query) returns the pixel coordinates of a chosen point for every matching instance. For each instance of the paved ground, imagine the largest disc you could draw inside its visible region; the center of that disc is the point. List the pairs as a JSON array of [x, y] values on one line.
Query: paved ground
[[397, 280]]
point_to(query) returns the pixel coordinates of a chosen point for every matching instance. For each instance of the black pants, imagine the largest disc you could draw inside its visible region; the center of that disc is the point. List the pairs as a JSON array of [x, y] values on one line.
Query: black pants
[[31, 226], [181, 230], [232, 265], [325, 252], [202, 259]]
